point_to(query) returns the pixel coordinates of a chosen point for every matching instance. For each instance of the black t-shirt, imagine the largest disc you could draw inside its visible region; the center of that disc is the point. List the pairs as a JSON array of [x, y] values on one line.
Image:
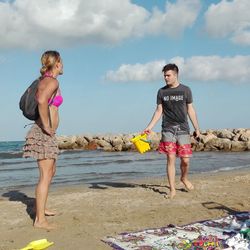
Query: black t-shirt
[[174, 103]]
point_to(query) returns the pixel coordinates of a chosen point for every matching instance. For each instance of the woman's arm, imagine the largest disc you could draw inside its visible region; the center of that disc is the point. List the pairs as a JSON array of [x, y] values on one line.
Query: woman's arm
[[46, 89]]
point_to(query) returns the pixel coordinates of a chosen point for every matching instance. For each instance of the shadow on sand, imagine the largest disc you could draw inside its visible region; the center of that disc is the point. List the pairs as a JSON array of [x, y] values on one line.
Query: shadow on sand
[[153, 187], [16, 195], [215, 205]]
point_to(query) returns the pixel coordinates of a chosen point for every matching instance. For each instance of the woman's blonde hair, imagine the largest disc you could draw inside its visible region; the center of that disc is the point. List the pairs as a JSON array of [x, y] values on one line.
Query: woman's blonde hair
[[48, 60]]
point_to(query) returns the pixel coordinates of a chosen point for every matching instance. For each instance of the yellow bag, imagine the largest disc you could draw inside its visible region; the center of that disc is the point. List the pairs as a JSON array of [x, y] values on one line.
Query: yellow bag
[[141, 143]]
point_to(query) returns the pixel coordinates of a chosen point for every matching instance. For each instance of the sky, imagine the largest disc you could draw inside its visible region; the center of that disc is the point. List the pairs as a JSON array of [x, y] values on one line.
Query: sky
[[113, 53]]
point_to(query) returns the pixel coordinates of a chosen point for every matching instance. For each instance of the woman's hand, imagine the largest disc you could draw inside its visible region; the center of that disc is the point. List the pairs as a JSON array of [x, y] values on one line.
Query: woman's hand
[[48, 130]]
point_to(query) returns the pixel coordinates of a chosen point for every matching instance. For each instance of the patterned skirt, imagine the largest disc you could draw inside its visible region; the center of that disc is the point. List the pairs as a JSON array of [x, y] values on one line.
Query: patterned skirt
[[40, 145]]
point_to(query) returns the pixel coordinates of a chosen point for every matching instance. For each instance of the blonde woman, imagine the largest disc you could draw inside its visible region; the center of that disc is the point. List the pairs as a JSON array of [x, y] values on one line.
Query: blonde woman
[[40, 140]]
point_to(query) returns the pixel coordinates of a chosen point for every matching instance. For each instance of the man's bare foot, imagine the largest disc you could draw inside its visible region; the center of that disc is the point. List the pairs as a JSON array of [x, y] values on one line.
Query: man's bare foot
[[49, 213], [189, 186], [44, 225], [171, 195]]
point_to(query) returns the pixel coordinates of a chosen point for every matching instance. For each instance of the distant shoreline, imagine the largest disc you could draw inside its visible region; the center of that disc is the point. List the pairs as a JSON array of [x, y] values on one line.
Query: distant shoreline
[[232, 140]]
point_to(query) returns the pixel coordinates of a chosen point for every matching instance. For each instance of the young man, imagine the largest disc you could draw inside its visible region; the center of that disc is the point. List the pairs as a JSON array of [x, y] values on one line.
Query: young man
[[174, 104]]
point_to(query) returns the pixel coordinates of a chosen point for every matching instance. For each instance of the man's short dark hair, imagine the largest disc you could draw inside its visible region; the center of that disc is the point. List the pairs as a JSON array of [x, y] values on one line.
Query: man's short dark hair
[[171, 66]]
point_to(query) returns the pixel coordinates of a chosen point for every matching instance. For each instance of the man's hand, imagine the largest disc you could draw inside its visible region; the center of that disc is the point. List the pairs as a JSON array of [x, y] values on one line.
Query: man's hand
[[197, 134], [146, 131]]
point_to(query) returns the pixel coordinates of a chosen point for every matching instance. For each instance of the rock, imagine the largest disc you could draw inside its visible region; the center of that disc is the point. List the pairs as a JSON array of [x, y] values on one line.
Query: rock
[[81, 142], [218, 144], [199, 147], [127, 144], [236, 137], [212, 145], [154, 139], [127, 138], [127, 147], [225, 134], [238, 146], [245, 136], [154, 136], [117, 143], [92, 145], [67, 142], [103, 143], [206, 138], [193, 140], [239, 130], [211, 131], [89, 138], [107, 138], [227, 144]]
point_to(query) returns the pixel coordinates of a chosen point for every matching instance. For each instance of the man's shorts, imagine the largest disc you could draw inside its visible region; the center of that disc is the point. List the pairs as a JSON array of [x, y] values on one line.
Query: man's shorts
[[175, 142]]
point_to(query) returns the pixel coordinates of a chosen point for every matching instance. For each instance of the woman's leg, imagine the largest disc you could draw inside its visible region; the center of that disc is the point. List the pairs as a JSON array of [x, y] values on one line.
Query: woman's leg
[[42, 189], [47, 211]]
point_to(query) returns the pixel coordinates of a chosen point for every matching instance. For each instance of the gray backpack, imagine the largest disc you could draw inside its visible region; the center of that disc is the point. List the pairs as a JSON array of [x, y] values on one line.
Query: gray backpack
[[28, 103]]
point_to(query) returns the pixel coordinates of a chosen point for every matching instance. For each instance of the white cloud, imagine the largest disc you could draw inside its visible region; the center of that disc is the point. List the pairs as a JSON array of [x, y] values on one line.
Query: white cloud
[[229, 19], [177, 17], [198, 68], [137, 72], [42, 23]]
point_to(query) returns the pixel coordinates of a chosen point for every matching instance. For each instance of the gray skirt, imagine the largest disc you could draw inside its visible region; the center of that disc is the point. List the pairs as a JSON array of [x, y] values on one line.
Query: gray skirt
[[39, 145]]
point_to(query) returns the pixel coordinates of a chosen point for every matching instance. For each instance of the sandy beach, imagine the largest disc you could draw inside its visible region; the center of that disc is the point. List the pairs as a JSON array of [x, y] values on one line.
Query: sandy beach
[[88, 213]]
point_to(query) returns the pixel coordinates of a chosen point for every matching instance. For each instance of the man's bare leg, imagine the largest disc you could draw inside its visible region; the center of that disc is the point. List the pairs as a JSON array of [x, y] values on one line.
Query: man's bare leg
[[171, 174], [184, 173]]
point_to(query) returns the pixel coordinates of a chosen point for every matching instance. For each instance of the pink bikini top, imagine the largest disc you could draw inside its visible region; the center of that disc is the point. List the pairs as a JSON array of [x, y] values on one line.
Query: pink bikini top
[[57, 100]]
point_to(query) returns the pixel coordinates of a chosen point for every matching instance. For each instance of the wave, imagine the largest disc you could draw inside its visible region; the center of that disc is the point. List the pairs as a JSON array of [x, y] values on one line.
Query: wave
[[112, 162], [222, 169], [230, 168], [6, 163], [80, 154], [11, 155], [8, 170]]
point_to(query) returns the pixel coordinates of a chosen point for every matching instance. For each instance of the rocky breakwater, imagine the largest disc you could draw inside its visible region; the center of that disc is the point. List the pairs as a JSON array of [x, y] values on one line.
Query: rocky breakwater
[[234, 140]]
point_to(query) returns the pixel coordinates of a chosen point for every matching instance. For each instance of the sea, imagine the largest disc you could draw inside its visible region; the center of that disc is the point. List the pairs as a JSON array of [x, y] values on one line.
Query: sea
[[76, 167]]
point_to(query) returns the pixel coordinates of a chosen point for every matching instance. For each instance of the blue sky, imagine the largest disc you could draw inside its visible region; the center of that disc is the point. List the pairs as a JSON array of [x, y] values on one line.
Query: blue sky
[[113, 53]]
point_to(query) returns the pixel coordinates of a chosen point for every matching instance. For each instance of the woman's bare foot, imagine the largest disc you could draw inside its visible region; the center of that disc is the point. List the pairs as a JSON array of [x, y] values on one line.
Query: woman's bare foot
[[171, 195], [49, 213], [189, 186], [44, 225]]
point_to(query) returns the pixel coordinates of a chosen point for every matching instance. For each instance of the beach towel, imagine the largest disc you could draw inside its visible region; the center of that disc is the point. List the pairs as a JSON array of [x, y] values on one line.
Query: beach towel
[[231, 232]]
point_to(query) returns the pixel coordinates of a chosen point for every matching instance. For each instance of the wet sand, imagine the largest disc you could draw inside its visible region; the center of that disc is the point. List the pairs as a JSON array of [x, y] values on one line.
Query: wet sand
[[88, 213]]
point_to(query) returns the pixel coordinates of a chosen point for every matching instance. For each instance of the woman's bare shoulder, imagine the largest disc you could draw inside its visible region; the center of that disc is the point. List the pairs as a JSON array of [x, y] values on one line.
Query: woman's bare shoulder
[[48, 82]]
